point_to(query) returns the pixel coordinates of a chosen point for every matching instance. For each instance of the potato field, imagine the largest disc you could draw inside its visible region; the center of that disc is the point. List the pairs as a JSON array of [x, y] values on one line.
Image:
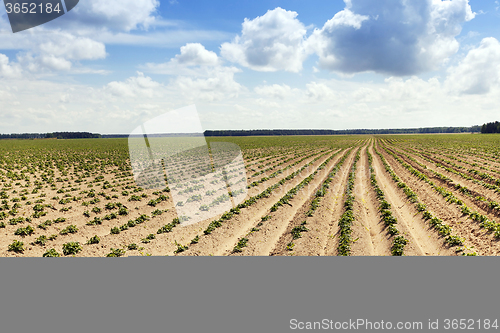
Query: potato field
[[392, 195]]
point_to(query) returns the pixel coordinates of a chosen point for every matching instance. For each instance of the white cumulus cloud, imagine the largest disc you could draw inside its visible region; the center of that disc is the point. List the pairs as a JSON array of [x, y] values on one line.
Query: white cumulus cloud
[[122, 15], [195, 54], [72, 47], [274, 91], [58, 53], [199, 73], [219, 85], [137, 86], [479, 71], [268, 43], [319, 91], [395, 37], [192, 55], [346, 18], [8, 70]]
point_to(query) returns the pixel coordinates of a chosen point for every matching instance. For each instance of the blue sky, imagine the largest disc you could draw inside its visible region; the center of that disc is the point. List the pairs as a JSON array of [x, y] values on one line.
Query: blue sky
[[108, 66]]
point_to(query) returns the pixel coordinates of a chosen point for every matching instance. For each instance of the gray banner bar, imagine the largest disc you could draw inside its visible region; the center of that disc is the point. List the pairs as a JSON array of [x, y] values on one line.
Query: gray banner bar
[[244, 294]]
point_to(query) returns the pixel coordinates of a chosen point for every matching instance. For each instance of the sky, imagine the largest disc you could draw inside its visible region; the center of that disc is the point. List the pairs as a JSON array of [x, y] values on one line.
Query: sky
[[109, 66]]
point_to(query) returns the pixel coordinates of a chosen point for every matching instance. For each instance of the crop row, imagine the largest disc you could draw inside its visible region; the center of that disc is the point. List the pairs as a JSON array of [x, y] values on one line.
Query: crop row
[[438, 153], [491, 204], [462, 155], [347, 218], [275, 174], [252, 200], [443, 229], [484, 221], [398, 242], [454, 169], [291, 193], [325, 186], [286, 200], [281, 161]]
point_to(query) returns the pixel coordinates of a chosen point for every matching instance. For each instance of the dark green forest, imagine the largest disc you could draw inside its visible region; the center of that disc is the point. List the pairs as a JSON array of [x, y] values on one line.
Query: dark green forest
[[56, 135], [491, 127], [275, 132]]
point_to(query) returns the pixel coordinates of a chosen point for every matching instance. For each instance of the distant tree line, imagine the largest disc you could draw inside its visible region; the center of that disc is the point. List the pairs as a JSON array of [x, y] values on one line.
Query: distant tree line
[[117, 136], [23, 136], [275, 132], [491, 127], [72, 135], [151, 135], [57, 135], [486, 128]]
